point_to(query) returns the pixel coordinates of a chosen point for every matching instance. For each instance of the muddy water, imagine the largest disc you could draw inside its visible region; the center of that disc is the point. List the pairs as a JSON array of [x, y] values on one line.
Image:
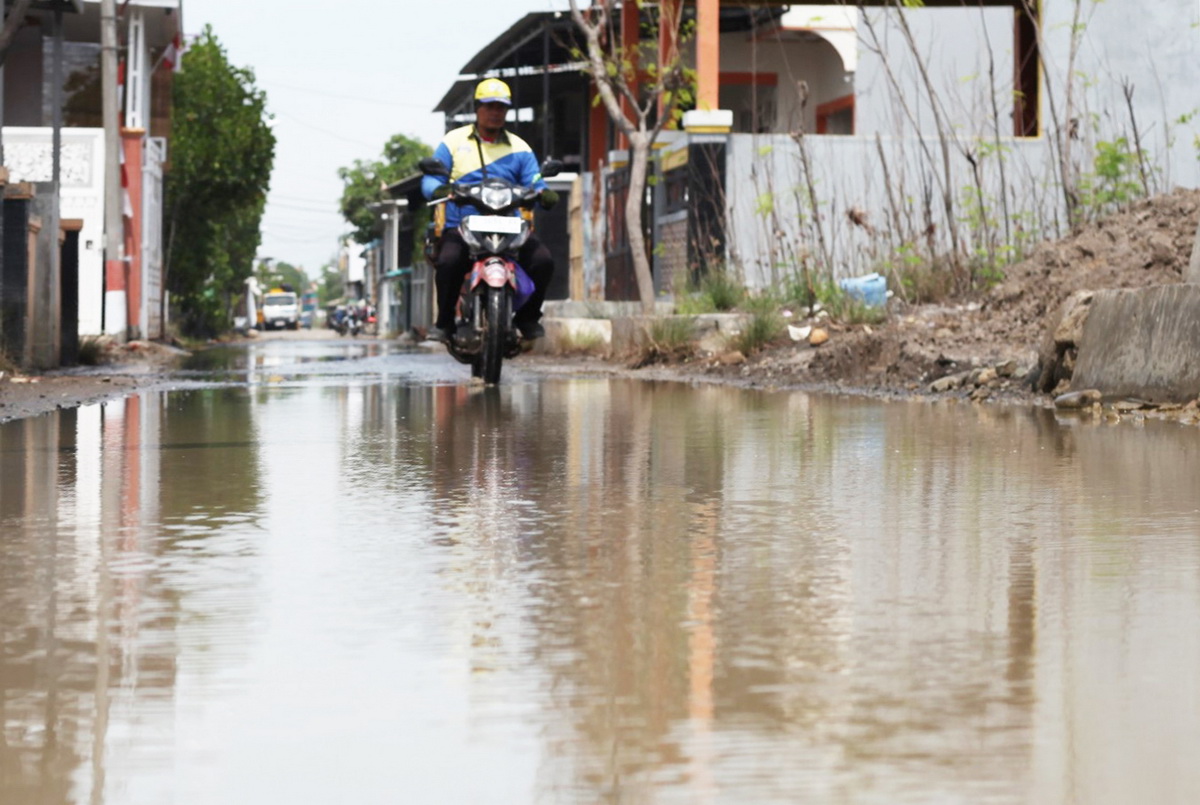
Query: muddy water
[[594, 591]]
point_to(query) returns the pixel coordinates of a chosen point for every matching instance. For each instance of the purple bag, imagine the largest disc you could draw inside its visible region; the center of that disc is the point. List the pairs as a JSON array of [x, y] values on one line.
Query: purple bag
[[524, 288]]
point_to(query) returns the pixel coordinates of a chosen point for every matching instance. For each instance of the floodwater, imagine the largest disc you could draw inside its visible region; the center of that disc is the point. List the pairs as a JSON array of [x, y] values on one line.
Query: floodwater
[[348, 579]]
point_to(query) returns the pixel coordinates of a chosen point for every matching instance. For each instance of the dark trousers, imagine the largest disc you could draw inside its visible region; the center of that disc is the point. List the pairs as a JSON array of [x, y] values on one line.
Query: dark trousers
[[453, 263]]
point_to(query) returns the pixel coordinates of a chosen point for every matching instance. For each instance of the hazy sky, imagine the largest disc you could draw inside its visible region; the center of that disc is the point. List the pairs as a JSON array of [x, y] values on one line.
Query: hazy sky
[[341, 78]]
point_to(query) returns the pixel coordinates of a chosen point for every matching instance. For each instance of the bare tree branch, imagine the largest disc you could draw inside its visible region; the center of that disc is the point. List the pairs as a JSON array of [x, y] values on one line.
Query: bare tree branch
[[605, 62]]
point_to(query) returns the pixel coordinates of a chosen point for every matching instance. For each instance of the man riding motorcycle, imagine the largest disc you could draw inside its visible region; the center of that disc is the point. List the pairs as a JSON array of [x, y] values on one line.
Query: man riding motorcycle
[[473, 153]]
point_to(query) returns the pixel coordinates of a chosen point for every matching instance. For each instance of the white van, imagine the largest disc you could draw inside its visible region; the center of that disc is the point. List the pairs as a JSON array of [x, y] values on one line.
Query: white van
[[280, 309]]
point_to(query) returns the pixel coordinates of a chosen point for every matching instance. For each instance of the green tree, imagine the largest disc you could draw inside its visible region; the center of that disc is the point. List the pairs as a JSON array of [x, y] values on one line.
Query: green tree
[[222, 152], [365, 182], [331, 286], [271, 274]]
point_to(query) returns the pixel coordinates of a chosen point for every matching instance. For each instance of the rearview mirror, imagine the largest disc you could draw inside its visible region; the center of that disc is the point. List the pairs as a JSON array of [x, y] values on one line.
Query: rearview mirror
[[432, 166], [551, 168]]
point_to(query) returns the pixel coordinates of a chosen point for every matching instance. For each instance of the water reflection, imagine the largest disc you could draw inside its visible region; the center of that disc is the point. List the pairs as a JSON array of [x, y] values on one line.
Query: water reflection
[[594, 591]]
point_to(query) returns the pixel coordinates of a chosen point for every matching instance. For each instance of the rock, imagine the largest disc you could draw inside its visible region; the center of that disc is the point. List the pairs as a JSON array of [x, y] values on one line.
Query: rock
[[818, 337], [1005, 292], [1007, 369], [1129, 405], [948, 383], [733, 358], [986, 376], [1162, 249], [1075, 400], [1091, 243], [1069, 330], [1057, 354]]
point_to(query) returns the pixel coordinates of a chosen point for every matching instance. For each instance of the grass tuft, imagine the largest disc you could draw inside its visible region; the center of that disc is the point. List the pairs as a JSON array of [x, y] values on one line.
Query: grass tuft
[[765, 325], [91, 350], [668, 339], [571, 344]]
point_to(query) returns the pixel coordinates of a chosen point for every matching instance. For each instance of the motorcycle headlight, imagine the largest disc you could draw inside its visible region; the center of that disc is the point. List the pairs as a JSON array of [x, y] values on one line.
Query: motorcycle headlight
[[497, 197]]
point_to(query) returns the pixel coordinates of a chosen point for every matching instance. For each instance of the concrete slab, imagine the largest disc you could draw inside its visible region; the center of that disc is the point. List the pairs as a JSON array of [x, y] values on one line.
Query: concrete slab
[[1142, 343], [597, 309], [562, 334]]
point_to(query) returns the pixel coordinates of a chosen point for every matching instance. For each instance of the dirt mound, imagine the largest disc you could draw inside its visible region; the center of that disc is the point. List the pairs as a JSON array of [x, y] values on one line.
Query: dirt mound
[[1148, 243]]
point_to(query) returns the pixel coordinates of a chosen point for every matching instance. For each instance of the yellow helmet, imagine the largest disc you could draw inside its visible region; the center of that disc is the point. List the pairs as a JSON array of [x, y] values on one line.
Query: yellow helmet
[[493, 90]]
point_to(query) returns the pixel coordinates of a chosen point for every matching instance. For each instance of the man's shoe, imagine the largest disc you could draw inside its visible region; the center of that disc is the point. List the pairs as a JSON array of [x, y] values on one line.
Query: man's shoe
[[439, 334], [531, 330]]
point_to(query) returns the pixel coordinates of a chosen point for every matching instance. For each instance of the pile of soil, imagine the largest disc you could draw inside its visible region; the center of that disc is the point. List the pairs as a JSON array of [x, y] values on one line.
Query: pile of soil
[[1149, 243]]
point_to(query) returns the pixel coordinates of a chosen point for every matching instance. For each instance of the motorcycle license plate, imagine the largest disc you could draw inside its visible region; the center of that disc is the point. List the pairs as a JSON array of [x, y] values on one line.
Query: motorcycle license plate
[[497, 224]]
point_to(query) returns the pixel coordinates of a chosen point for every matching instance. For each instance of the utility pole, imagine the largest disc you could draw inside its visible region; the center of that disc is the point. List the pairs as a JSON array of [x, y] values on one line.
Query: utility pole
[[51, 350], [114, 226]]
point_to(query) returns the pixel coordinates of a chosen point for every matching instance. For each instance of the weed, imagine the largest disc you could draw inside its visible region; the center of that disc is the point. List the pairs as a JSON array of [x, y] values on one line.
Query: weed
[[1110, 185], [764, 325], [668, 338], [799, 289], [91, 350], [921, 279], [691, 303], [581, 343], [724, 289], [718, 290]]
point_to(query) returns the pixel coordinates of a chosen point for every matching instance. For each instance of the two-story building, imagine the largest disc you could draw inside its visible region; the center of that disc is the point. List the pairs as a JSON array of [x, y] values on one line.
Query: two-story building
[[53, 76]]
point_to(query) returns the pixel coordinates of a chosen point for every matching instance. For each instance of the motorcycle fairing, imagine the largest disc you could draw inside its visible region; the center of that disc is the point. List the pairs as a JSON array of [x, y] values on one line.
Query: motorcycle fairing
[[497, 272]]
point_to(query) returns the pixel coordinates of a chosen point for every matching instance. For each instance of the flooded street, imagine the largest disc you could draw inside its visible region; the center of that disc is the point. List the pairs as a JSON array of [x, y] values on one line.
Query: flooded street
[[345, 575]]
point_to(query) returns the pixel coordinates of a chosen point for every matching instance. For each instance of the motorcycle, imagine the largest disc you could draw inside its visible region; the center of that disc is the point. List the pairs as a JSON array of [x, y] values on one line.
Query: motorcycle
[[496, 286], [346, 322]]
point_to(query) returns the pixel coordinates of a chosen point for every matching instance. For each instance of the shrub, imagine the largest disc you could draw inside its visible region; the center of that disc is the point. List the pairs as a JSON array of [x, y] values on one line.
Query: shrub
[[717, 291], [91, 350], [668, 338], [764, 325], [724, 290]]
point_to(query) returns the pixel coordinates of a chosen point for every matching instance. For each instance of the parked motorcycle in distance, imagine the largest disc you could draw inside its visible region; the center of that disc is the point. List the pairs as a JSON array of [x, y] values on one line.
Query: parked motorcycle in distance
[[346, 321], [496, 286]]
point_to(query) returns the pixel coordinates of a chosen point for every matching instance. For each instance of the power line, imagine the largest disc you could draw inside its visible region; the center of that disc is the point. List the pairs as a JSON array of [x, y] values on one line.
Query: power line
[[356, 98], [302, 208], [327, 132]]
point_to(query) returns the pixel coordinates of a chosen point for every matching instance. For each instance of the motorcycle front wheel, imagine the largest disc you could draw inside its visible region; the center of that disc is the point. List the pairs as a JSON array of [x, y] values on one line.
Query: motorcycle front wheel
[[497, 315]]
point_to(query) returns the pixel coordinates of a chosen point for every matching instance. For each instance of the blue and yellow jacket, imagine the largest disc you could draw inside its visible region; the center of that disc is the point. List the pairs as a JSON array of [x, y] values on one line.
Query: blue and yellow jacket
[[509, 157]]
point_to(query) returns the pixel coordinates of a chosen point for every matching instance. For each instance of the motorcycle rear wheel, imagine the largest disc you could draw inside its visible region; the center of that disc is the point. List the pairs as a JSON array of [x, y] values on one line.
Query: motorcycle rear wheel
[[497, 312]]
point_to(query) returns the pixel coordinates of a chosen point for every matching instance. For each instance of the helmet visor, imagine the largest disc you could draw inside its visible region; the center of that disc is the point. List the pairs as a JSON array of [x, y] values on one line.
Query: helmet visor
[[497, 99]]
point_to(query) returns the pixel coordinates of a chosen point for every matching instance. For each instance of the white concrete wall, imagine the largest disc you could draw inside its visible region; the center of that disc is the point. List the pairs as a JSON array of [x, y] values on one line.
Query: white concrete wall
[[28, 156], [953, 45], [1153, 46], [771, 223], [1154, 50]]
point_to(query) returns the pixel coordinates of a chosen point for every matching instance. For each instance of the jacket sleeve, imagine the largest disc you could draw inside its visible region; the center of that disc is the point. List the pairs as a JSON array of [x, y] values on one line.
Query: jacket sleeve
[[531, 172], [431, 183]]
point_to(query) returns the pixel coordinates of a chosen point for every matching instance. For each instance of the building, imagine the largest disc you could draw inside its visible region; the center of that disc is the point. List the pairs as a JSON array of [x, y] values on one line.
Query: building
[[843, 140], [49, 79]]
